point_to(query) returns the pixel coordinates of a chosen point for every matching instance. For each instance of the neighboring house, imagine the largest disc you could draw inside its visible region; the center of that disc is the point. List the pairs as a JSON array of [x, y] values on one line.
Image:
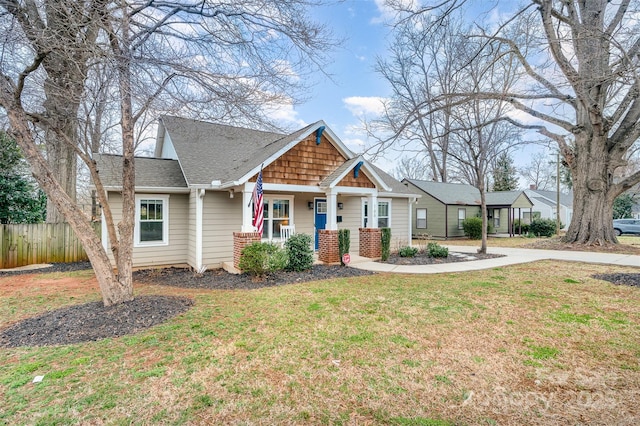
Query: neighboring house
[[443, 206], [545, 204], [194, 199]]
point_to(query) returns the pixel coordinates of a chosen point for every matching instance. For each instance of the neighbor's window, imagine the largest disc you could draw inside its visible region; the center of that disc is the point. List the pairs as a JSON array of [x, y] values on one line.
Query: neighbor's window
[[496, 218], [152, 224], [462, 215], [421, 218]]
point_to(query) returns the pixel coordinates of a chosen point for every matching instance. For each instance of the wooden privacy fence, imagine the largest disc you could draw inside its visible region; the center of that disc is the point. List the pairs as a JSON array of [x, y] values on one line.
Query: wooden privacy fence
[[27, 244]]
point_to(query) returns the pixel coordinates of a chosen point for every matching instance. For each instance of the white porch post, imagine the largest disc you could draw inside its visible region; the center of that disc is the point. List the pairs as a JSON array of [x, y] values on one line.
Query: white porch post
[[332, 210], [200, 193], [372, 207], [247, 211]]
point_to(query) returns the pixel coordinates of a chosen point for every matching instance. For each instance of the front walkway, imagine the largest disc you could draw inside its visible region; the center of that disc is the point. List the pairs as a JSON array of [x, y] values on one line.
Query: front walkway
[[512, 256]]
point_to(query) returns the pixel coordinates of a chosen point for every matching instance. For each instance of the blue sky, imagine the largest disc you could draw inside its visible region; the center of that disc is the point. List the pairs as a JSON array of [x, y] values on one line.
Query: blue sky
[[354, 87], [354, 90]]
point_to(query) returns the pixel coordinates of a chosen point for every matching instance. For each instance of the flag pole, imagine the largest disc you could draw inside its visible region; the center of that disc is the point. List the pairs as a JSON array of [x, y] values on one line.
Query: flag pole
[[254, 192]]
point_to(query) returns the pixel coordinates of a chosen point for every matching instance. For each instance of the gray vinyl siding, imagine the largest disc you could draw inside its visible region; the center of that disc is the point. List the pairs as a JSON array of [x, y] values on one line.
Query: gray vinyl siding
[[400, 223], [352, 220], [176, 251], [222, 216], [303, 215]]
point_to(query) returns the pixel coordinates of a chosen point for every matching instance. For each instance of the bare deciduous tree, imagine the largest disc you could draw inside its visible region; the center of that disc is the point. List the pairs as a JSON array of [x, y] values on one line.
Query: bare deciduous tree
[[412, 168], [579, 63], [420, 68], [214, 59], [539, 172]]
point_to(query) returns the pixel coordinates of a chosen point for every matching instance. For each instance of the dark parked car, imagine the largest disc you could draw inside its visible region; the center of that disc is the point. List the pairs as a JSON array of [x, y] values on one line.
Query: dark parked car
[[626, 226]]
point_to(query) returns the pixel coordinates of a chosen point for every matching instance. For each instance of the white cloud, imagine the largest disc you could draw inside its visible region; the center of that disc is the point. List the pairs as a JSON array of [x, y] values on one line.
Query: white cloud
[[356, 145], [388, 13], [284, 114], [361, 106]]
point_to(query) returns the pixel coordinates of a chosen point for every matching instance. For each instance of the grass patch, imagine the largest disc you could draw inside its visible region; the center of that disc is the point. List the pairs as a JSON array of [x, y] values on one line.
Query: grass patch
[[385, 349]]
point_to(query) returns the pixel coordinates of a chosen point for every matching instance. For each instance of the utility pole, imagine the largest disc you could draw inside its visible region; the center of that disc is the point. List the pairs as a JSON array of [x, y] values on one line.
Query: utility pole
[[558, 194]]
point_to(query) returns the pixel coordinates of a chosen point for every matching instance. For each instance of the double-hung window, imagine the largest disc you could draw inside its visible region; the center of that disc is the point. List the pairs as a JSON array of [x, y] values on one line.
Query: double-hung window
[[462, 215], [152, 220], [421, 218], [384, 214]]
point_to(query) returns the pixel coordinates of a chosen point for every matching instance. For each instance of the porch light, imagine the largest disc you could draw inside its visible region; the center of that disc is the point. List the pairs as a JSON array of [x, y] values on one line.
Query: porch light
[[340, 206], [231, 193], [310, 205]]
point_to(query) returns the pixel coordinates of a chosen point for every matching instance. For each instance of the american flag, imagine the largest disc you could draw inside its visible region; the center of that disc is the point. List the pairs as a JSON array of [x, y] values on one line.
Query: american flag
[[258, 208]]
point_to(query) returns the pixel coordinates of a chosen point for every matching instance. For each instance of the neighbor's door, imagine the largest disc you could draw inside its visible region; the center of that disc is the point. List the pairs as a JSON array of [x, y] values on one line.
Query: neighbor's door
[[320, 217]]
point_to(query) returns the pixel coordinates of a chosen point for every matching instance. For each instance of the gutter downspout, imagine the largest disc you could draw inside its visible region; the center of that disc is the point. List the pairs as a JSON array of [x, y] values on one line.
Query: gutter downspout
[[200, 193]]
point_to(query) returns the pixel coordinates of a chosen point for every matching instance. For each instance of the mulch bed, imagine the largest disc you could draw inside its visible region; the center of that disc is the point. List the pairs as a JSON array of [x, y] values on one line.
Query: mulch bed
[[92, 321], [55, 267], [620, 278], [424, 259], [219, 279]]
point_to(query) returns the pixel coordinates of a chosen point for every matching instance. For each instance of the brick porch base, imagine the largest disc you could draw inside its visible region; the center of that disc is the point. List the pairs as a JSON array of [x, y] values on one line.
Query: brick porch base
[[370, 242]]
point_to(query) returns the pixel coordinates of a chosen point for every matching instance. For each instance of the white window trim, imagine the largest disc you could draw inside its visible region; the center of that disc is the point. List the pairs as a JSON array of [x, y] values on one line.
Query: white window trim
[[165, 221], [425, 218], [463, 219], [268, 198], [380, 200]]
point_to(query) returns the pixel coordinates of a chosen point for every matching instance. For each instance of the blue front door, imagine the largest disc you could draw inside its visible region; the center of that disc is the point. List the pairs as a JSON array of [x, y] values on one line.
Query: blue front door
[[320, 217]]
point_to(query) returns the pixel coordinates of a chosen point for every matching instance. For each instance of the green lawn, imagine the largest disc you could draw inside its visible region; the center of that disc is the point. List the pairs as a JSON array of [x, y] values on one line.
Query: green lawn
[[528, 344]]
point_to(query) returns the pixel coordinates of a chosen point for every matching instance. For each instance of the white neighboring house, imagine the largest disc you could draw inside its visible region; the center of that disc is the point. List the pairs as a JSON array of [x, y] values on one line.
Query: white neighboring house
[[544, 205]]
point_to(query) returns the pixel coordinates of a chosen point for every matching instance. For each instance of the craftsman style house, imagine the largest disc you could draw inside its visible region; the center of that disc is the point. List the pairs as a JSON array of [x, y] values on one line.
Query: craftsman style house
[[194, 198]]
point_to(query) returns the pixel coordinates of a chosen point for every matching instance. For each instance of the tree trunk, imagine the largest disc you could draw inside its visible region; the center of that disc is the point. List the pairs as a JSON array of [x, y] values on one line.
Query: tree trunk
[[112, 290], [483, 214], [62, 114], [63, 162], [592, 195]]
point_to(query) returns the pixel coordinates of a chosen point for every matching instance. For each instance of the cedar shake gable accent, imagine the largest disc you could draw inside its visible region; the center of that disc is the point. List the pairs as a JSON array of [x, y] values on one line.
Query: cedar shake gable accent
[[307, 163]]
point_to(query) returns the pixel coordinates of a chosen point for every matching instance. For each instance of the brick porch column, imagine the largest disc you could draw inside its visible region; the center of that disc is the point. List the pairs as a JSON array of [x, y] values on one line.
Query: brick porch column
[[370, 242], [328, 251], [240, 240]]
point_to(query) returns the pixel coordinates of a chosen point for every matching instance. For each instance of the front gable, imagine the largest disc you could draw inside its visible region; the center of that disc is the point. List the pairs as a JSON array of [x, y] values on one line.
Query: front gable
[[522, 201], [309, 163]]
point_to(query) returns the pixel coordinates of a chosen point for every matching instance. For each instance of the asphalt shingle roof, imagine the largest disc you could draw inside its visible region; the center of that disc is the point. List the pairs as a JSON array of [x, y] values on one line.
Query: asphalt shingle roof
[[209, 151], [449, 193], [565, 199], [463, 194], [504, 198], [150, 172]]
